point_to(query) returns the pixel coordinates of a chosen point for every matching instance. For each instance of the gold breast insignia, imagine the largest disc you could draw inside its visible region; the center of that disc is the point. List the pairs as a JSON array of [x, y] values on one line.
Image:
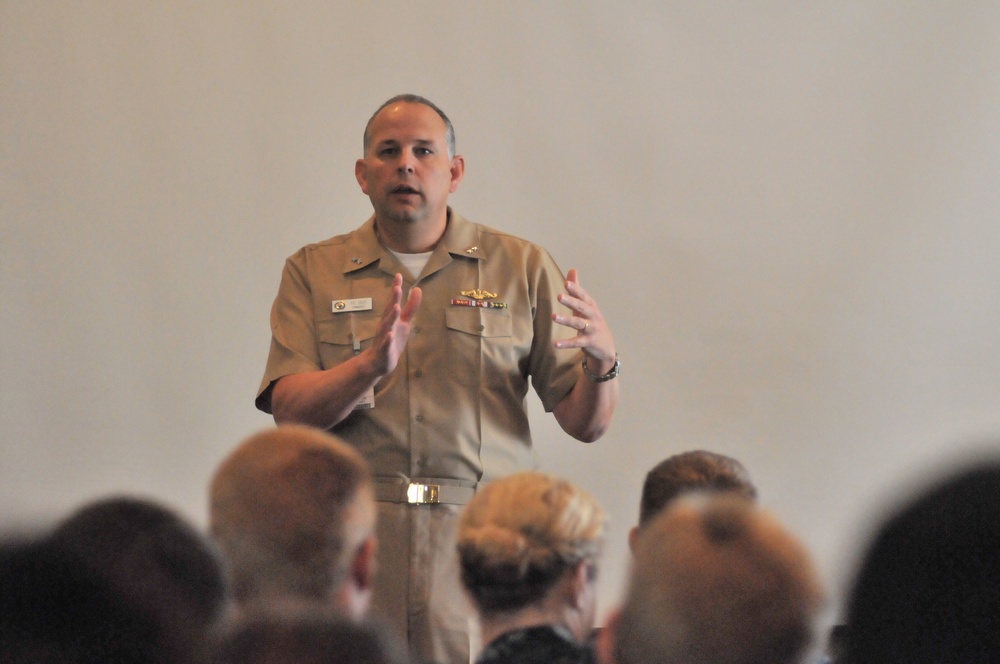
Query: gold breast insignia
[[479, 294]]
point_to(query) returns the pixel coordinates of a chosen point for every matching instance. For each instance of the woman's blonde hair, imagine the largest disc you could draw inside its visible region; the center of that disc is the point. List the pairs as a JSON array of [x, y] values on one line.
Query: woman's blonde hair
[[520, 534]]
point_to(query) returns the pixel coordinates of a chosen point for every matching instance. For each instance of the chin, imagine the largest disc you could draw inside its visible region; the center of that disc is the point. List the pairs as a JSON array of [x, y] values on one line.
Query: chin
[[407, 217], [402, 215]]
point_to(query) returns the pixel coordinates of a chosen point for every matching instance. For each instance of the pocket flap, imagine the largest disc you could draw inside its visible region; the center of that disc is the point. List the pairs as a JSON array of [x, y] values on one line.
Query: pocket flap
[[485, 323], [342, 331]]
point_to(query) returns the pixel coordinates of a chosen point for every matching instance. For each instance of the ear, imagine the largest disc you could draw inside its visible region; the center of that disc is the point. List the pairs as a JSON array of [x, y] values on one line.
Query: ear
[[633, 536], [580, 583], [363, 565], [457, 172], [361, 173], [604, 645]]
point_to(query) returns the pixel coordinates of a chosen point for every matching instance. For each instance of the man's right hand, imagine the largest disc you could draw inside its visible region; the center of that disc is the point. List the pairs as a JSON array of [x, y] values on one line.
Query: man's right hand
[[324, 398], [394, 329]]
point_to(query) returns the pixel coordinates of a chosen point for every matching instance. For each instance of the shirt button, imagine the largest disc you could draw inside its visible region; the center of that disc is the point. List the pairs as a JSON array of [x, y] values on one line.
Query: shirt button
[[420, 418], [480, 327], [418, 373]]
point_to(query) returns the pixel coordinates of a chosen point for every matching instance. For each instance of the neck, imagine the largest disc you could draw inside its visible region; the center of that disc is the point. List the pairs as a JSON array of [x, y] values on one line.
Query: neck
[[411, 237], [497, 624]]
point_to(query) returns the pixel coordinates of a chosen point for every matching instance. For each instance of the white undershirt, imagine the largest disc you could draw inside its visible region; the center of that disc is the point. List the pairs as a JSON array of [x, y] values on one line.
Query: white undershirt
[[413, 262]]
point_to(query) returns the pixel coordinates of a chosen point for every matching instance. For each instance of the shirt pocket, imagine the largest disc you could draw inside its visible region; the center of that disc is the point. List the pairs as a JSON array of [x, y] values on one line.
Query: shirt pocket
[[480, 347], [336, 337]]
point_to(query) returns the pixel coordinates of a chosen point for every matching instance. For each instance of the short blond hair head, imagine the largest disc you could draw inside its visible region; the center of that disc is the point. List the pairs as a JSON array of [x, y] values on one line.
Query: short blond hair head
[[520, 534], [289, 508], [717, 581]]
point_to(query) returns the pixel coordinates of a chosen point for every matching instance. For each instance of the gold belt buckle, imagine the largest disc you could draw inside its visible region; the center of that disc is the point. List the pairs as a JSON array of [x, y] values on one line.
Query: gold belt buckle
[[422, 494]]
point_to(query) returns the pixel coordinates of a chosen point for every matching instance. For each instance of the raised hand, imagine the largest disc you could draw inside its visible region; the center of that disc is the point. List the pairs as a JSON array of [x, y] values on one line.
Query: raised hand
[[592, 332], [394, 328]]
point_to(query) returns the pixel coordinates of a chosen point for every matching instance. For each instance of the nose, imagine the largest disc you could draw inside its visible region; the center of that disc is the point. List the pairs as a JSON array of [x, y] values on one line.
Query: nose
[[406, 160]]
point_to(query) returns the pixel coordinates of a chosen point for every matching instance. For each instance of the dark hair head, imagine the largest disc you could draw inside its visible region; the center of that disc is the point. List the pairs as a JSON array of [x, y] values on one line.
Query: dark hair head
[[929, 587], [413, 99], [307, 636], [697, 470], [56, 609], [152, 553], [152, 556]]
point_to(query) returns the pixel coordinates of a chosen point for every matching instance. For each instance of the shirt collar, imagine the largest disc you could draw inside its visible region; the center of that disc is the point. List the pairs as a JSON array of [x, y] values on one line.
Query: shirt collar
[[460, 239]]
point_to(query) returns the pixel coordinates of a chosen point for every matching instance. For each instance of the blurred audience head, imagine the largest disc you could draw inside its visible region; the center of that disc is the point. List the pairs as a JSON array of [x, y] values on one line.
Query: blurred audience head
[[696, 470], [306, 635], [715, 580], [293, 511], [531, 542], [928, 589], [154, 557], [56, 609]]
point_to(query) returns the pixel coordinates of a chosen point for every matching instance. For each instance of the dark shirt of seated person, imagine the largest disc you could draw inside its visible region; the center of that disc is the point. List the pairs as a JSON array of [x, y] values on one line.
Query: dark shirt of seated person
[[528, 547], [304, 634]]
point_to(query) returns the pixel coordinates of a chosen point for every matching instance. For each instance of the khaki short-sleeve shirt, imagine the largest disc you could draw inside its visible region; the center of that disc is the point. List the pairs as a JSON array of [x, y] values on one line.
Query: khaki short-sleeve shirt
[[454, 407]]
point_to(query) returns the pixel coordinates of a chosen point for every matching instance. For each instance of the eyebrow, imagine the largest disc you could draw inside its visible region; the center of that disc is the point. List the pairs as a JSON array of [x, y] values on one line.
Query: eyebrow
[[393, 141]]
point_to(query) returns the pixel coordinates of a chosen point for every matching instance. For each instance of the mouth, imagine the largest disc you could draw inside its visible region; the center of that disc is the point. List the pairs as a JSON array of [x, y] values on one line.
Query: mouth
[[404, 189]]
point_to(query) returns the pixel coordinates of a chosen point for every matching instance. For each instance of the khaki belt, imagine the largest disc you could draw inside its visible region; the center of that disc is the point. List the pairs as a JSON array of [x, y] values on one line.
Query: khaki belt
[[423, 494]]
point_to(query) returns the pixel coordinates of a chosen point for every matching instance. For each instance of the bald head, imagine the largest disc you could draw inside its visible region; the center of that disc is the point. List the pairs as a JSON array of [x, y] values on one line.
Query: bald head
[[717, 581], [412, 99], [290, 508]]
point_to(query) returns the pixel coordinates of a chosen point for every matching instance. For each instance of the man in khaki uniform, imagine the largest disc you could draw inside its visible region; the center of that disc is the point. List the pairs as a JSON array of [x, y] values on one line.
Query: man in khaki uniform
[[431, 387]]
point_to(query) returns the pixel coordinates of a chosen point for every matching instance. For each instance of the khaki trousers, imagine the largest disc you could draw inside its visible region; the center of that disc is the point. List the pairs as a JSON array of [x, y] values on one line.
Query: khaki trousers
[[418, 591]]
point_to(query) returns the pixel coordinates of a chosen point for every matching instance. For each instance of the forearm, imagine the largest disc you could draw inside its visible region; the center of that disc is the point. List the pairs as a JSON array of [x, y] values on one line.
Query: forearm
[[323, 398], [585, 413]]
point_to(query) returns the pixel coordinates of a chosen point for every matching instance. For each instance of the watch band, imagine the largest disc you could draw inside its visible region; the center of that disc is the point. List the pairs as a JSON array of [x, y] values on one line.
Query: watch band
[[615, 370]]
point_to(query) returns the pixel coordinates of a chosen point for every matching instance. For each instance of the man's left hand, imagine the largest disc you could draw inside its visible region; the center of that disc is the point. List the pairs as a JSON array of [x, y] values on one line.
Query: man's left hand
[[592, 332]]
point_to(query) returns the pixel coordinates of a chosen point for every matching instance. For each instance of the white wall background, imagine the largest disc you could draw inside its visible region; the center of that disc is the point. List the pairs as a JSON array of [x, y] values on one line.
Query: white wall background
[[789, 211]]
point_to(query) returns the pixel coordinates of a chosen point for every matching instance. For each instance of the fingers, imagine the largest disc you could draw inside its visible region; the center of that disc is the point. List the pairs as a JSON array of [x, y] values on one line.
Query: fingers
[[413, 301], [395, 298], [573, 286], [579, 302], [592, 333], [581, 324], [576, 297], [394, 327], [395, 309], [582, 309]]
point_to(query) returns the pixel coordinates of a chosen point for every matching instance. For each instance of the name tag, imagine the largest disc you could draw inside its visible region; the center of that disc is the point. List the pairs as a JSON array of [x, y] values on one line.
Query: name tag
[[367, 402], [356, 304]]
